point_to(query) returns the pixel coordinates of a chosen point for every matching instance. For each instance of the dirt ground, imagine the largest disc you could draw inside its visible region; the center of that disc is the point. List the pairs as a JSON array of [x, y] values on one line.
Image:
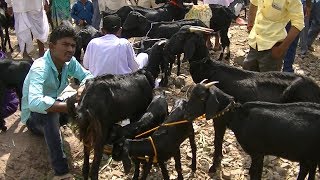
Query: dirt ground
[[24, 155]]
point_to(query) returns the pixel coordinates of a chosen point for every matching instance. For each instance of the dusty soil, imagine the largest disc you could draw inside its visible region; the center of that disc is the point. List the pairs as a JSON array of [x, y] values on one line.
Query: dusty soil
[[24, 155]]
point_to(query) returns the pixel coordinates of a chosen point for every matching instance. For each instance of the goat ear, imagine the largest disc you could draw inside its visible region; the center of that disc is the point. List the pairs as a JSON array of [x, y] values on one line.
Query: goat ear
[[189, 49], [212, 105]]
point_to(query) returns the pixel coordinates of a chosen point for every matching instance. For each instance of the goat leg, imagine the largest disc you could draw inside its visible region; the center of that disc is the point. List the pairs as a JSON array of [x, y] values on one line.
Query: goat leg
[[7, 39], [136, 169], [164, 171], [146, 169], [177, 159], [98, 151], [2, 97], [220, 129], [227, 53], [3, 46], [178, 64], [193, 151], [85, 167], [256, 167], [306, 168]]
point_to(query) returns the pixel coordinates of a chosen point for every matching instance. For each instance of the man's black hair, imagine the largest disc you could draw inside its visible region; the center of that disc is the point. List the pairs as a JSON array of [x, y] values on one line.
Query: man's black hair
[[60, 32], [111, 23]]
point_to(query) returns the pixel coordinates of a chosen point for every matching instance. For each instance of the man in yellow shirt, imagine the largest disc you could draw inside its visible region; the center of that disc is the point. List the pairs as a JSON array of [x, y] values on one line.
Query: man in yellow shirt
[[268, 39]]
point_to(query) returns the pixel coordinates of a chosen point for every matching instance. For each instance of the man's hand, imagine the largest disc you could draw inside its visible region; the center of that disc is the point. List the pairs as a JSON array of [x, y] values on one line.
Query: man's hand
[[10, 11], [79, 92], [277, 52], [46, 6], [81, 22]]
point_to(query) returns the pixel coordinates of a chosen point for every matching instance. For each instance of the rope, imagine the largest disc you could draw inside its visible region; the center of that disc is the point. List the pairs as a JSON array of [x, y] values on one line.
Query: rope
[[155, 157]]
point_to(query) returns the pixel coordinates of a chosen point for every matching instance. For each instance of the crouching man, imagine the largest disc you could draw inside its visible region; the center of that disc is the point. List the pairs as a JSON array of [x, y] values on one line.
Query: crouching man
[[47, 78]]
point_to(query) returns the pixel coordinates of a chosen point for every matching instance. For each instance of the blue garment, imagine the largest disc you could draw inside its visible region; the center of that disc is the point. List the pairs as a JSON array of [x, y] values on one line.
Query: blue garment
[[42, 85], [10, 98], [82, 11], [96, 18], [291, 53], [315, 23], [312, 29], [48, 125]]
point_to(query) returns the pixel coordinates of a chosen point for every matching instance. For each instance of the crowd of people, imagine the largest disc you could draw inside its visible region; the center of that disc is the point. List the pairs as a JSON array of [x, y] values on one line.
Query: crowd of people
[[271, 48]]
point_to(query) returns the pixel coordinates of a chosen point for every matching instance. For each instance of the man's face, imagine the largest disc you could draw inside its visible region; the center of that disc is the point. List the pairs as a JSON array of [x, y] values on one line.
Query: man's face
[[63, 49]]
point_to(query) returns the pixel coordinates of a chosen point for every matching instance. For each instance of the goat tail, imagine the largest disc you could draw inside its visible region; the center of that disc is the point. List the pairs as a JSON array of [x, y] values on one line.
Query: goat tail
[[93, 132]]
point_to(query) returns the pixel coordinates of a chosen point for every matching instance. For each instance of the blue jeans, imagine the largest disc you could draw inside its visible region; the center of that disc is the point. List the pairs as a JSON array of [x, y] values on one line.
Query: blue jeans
[[315, 23], [48, 125], [96, 18], [310, 34], [291, 53]]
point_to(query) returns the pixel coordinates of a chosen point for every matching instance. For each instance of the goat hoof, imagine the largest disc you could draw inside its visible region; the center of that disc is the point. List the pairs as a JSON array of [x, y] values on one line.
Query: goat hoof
[[227, 57], [4, 128], [212, 169]]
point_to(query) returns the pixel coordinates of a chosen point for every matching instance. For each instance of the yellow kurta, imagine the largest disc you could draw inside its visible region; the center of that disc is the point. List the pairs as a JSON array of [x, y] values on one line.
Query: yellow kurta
[[271, 18]]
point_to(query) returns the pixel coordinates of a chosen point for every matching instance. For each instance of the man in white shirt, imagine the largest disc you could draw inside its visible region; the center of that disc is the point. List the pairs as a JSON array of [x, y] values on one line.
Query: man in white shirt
[[30, 22], [112, 55]]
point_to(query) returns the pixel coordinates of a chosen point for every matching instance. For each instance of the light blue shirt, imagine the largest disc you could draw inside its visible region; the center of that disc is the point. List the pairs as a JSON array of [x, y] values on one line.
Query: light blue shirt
[[42, 85]]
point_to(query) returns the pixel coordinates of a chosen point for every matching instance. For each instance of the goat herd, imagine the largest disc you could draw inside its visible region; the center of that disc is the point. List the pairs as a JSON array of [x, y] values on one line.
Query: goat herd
[[271, 113]]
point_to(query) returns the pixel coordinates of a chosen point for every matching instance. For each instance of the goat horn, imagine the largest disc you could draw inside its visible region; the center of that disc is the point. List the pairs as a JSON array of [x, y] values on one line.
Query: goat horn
[[208, 85], [202, 29], [203, 81]]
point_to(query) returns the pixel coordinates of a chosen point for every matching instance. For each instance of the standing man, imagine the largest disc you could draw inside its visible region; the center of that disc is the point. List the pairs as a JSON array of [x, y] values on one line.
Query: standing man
[[268, 39], [110, 54], [82, 12], [313, 31], [30, 22], [47, 78]]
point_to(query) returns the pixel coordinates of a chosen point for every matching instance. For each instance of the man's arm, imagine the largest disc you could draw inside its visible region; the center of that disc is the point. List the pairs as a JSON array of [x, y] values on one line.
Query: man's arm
[[9, 10], [251, 16], [38, 102], [58, 106], [132, 63], [307, 10], [77, 71], [278, 52], [297, 24]]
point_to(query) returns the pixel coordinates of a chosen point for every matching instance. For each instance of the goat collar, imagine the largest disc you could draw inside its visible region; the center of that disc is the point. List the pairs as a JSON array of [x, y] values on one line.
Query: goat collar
[[174, 3], [230, 106]]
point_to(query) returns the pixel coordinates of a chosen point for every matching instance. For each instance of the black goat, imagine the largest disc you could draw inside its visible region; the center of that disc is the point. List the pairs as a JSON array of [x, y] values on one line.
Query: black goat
[[157, 62], [137, 25], [106, 100], [155, 114], [12, 75], [163, 144], [220, 22], [286, 130], [168, 12], [6, 22], [84, 36], [244, 86]]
